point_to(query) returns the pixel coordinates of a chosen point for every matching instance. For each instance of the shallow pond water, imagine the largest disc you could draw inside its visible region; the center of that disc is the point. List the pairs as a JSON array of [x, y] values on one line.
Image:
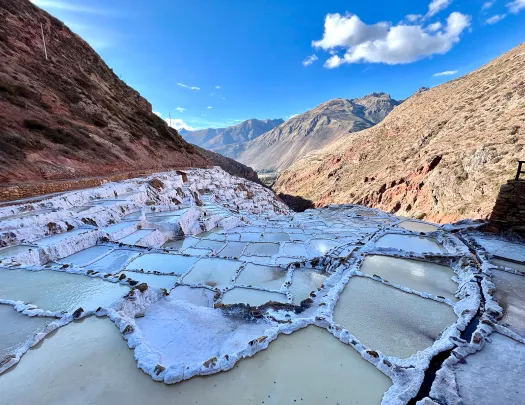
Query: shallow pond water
[[199, 296], [510, 294], [389, 320], [410, 243], [416, 226], [251, 297], [114, 261], [162, 262], [135, 237], [67, 372], [261, 249], [213, 272], [86, 256], [418, 275], [17, 329], [270, 277], [304, 281], [58, 291]]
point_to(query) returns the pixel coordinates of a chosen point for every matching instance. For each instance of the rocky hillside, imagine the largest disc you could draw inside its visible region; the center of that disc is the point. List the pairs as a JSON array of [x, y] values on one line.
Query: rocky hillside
[[69, 115], [441, 155], [215, 139], [312, 130], [229, 165]]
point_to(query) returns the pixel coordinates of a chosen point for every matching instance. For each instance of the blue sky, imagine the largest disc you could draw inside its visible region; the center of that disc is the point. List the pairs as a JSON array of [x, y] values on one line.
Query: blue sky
[[213, 63]]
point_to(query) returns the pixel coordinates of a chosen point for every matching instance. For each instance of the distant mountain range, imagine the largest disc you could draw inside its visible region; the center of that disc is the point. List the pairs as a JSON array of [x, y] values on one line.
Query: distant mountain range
[[215, 139], [282, 146]]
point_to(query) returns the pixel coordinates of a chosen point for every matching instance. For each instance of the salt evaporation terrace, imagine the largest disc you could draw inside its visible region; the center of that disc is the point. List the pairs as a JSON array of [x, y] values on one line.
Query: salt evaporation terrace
[[225, 296]]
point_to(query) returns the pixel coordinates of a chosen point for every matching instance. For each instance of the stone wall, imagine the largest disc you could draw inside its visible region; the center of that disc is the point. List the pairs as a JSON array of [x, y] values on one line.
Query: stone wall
[[509, 209]]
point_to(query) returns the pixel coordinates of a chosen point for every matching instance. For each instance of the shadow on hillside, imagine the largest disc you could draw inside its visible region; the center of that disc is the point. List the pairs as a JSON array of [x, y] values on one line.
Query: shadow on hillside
[[296, 203], [508, 213]]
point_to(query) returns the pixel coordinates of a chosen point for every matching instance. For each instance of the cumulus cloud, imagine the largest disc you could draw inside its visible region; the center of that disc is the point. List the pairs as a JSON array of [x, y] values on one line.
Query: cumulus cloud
[[180, 109], [188, 87], [309, 60], [387, 43], [495, 18], [446, 73], [516, 6], [178, 123], [487, 5], [158, 114], [437, 5]]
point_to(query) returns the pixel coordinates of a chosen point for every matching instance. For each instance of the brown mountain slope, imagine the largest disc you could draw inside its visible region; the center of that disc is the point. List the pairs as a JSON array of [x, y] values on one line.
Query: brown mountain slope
[[442, 154], [229, 165], [69, 115], [281, 147]]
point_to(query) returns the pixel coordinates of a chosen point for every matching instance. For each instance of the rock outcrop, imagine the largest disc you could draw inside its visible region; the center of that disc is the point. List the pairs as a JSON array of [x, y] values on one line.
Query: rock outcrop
[[441, 155], [312, 130]]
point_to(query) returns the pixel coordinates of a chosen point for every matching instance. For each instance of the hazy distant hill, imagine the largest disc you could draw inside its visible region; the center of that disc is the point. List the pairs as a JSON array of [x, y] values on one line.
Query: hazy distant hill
[[312, 130], [216, 138]]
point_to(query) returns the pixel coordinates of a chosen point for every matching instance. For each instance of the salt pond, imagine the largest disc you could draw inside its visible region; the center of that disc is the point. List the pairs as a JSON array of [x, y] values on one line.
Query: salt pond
[[86, 256], [410, 243], [388, 320], [213, 272], [162, 262], [17, 329], [304, 281], [416, 226], [67, 371], [510, 294], [251, 297], [270, 277], [415, 274], [58, 291]]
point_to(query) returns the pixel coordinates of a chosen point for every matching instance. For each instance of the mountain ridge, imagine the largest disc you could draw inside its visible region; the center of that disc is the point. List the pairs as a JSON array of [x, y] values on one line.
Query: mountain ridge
[[441, 155], [215, 138], [279, 148]]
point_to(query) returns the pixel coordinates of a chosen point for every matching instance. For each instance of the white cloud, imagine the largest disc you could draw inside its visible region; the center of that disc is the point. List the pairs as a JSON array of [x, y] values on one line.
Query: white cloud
[[210, 107], [487, 5], [218, 87], [180, 109], [293, 115], [435, 27], [516, 6], [495, 18], [158, 114], [348, 30], [413, 17], [436, 6], [309, 60], [446, 73], [178, 123], [188, 87], [387, 43]]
